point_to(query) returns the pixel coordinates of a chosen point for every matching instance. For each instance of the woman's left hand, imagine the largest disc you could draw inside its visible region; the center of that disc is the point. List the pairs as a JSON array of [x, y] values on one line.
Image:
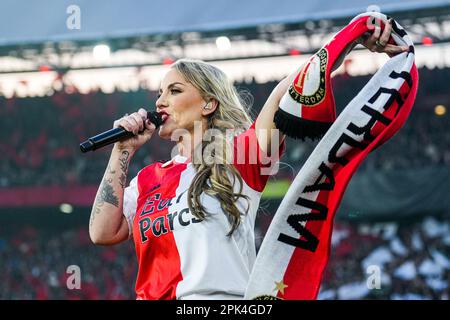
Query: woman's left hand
[[378, 42]]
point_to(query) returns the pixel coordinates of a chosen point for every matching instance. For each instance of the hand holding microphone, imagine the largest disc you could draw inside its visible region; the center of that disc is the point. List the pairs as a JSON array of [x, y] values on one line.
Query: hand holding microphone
[[131, 131]]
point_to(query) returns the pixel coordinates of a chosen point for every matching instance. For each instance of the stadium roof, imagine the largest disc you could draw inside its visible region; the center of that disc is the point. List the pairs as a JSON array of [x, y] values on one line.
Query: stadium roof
[[25, 22]]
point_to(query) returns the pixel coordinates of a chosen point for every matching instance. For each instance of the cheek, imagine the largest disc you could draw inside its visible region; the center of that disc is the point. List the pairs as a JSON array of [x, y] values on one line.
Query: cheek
[[187, 117]]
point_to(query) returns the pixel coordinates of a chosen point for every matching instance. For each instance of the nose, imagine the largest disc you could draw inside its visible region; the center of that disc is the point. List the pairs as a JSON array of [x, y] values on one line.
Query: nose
[[160, 104]]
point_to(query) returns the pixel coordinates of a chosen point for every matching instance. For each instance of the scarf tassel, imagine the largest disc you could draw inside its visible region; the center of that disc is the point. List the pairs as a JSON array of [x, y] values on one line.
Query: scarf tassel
[[300, 128]]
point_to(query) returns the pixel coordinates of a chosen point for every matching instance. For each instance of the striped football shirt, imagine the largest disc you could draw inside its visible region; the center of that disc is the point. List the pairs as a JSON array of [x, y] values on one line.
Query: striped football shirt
[[181, 257]]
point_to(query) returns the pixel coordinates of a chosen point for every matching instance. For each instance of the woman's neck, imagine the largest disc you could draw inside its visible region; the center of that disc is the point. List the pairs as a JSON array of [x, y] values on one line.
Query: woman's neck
[[189, 141], [187, 144]]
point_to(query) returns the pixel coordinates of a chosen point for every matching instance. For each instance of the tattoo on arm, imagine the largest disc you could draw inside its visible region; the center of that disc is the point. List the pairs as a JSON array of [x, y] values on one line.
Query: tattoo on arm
[[106, 191], [123, 180], [124, 167], [106, 194]]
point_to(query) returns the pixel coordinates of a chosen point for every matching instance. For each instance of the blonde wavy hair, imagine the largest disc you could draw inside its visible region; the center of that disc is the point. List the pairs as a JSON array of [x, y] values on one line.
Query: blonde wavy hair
[[215, 176]]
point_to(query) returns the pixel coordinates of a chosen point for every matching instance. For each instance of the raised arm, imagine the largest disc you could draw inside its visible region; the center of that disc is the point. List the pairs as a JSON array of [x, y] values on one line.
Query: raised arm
[[264, 126]]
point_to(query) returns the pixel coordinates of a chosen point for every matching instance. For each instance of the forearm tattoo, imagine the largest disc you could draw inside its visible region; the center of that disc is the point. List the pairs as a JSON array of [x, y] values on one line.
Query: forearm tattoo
[[124, 168], [106, 194], [106, 191]]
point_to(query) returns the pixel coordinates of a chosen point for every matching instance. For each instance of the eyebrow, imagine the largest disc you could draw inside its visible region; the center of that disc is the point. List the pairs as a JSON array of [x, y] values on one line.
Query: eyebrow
[[171, 85]]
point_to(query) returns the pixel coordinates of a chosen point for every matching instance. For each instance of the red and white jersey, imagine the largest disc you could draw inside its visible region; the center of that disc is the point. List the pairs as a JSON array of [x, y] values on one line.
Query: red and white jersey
[[179, 256]]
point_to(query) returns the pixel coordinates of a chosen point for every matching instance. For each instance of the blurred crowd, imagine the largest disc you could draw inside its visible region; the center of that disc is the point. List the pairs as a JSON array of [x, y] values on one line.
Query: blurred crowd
[[368, 261], [36, 264], [40, 136], [389, 261]]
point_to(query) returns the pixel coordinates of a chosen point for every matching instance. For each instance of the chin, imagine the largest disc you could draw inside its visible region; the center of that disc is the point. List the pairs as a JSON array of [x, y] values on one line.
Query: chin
[[164, 133]]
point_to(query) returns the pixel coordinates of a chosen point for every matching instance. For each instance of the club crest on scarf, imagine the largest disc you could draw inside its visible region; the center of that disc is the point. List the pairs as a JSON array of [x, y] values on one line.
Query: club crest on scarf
[[307, 108], [308, 87]]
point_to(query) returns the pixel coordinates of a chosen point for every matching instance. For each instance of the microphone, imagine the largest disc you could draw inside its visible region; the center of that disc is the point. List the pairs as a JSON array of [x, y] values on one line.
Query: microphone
[[116, 134]]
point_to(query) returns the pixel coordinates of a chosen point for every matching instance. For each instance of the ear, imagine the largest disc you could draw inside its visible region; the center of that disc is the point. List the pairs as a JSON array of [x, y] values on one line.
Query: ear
[[210, 107]]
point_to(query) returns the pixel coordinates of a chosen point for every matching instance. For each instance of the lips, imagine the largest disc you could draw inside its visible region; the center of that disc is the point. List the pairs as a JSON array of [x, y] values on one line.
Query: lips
[[164, 116]]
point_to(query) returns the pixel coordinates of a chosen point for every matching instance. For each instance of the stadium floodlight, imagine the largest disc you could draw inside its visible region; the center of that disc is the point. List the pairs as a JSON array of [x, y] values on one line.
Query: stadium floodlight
[[440, 110], [101, 52], [66, 208], [223, 43]]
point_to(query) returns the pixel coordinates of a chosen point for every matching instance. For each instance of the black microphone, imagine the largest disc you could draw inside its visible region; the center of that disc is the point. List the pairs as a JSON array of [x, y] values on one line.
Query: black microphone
[[116, 134]]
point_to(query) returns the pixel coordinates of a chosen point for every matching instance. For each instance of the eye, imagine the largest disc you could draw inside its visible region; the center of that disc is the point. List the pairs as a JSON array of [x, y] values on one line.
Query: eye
[[174, 90]]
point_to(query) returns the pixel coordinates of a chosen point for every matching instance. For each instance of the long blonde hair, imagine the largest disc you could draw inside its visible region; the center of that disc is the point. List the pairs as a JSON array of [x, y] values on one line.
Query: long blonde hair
[[216, 177]]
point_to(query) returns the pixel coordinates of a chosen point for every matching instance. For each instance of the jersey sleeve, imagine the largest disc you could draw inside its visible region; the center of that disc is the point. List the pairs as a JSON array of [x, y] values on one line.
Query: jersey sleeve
[[254, 165], [130, 198]]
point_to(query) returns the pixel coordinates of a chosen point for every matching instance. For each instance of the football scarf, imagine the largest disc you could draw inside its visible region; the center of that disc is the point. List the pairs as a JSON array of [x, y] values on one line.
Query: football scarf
[[296, 248]]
